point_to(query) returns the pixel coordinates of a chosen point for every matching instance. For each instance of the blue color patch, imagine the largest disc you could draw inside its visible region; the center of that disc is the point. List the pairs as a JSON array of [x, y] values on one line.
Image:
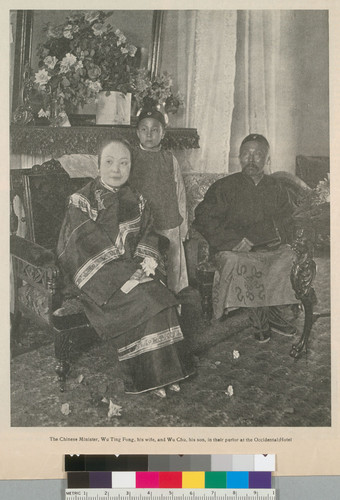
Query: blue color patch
[[238, 479]]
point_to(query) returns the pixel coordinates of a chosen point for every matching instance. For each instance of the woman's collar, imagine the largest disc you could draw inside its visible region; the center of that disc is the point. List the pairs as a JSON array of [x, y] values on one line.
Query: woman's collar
[[109, 188]]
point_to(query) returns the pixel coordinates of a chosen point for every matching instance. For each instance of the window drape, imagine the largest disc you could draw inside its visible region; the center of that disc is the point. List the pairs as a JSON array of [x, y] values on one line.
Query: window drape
[[250, 71], [281, 84], [199, 49]]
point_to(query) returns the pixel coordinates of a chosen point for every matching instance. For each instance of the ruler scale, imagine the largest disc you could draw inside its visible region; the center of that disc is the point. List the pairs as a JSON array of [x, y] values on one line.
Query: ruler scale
[[166, 494]]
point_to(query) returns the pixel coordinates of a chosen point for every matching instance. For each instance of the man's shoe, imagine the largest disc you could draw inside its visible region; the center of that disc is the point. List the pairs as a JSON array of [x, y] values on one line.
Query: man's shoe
[[262, 336], [287, 330], [279, 324]]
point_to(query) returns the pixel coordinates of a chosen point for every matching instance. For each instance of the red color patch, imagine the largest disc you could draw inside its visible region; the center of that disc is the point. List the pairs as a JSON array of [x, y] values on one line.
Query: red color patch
[[170, 479]]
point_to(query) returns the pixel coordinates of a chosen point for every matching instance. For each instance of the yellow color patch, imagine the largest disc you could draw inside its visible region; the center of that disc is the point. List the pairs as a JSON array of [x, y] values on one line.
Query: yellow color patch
[[193, 479]]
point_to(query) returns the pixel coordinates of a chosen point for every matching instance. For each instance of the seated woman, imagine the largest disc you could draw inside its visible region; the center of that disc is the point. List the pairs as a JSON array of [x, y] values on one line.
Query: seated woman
[[108, 248]]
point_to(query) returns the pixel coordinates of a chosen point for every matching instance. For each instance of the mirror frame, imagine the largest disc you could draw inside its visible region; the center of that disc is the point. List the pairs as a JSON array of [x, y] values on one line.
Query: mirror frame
[[23, 50]]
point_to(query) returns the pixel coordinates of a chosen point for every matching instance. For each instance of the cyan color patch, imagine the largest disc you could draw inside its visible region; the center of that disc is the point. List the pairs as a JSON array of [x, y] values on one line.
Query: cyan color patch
[[237, 479]]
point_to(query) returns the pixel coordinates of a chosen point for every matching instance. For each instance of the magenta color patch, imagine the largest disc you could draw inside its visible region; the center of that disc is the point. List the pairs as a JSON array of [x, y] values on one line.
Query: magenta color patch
[[147, 479]]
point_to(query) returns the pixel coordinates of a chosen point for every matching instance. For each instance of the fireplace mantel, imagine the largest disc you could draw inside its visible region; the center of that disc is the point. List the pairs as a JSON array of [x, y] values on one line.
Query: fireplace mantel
[[57, 141]]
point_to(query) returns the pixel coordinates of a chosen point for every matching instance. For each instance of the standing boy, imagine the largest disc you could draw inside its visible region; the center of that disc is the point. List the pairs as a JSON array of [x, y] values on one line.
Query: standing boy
[[156, 175]]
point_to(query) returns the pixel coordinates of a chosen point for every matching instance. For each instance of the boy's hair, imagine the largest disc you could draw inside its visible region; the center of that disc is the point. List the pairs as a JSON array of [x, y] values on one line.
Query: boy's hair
[[108, 140], [152, 113]]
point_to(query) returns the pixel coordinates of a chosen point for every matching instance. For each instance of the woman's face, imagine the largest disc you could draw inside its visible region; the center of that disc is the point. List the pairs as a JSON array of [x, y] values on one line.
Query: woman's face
[[115, 164]]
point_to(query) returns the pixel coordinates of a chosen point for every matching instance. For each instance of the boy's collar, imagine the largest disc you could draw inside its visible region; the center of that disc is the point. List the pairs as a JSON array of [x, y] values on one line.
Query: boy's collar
[[151, 150]]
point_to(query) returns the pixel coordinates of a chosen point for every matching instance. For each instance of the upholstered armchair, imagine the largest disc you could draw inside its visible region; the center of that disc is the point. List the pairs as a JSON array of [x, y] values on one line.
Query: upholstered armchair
[[303, 271], [39, 290]]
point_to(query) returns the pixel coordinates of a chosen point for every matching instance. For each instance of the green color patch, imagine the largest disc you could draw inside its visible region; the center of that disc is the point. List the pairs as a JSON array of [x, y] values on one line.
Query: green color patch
[[216, 479]]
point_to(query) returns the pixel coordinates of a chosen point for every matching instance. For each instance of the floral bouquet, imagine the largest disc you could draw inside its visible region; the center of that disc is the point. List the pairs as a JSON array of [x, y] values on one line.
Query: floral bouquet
[[156, 92], [79, 58]]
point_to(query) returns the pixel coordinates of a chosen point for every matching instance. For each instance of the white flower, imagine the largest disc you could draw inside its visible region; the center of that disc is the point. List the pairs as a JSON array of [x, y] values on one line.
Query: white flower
[[68, 31], [98, 29], [114, 410], [93, 86], [50, 61], [65, 409], [53, 32], [149, 265], [44, 114], [230, 391], [42, 77], [132, 50], [78, 65], [121, 37], [124, 50], [91, 16], [66, 63], [236, 354]]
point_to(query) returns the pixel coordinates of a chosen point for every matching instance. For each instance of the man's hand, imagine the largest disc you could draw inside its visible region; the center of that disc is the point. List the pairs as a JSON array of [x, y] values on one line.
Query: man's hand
[[245, 245]]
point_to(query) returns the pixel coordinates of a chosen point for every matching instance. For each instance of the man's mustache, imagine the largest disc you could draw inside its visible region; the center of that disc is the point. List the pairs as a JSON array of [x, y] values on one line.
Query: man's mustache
[[251, 165]]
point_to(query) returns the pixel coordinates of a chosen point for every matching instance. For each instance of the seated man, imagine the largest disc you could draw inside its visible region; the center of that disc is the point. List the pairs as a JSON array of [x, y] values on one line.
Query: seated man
[[246, 219]]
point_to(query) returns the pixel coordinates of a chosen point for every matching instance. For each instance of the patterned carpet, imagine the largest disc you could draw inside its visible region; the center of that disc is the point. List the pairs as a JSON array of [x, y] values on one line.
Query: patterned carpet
[[262, 386]]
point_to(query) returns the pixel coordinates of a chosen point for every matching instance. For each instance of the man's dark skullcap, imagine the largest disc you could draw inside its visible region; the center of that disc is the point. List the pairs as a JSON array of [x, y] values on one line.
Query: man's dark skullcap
[[255, 137]]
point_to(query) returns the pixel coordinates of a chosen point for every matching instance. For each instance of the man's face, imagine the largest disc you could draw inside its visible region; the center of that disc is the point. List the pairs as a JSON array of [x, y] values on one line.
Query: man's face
[[150, 133], [254, 156], [115, 164]]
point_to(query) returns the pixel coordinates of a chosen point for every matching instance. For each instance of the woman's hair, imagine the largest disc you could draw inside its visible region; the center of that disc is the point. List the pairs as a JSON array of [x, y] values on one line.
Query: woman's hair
[[108, 140]]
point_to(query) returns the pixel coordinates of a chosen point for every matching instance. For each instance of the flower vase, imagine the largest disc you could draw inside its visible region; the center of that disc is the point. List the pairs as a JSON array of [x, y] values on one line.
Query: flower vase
[[58, 117], [113, 108]]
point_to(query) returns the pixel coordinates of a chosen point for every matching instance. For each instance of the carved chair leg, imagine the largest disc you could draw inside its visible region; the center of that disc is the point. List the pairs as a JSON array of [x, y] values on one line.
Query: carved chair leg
[[62, 349], [15, 328], [205, 285], [308, 302], [207, 307]]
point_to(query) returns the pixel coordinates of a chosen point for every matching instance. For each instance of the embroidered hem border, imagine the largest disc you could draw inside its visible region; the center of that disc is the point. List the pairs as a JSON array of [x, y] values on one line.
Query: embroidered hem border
[[150, 342]]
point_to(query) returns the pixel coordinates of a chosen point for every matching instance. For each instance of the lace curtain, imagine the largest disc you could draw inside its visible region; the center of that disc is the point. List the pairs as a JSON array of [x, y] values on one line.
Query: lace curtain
[[281, 84], [199, 49]]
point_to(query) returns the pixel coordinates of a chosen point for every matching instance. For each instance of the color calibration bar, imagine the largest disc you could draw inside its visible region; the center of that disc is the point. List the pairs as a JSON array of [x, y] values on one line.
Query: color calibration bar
[[169, 463], [167, 479], [103, 494]]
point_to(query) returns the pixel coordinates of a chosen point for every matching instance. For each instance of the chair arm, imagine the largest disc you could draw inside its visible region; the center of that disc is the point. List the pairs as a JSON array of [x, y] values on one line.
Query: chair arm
[[196, 252], [35, 265], [32, 253]]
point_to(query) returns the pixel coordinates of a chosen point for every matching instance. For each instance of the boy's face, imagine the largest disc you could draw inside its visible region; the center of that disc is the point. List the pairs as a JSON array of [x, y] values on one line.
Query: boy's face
[[150, 133]]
